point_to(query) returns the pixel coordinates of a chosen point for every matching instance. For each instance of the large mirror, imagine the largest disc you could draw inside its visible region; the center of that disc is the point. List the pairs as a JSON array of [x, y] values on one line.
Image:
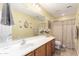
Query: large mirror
[[20, 20]]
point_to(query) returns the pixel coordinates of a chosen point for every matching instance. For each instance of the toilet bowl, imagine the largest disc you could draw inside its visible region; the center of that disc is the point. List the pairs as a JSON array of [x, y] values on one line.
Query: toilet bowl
[[58, 44]]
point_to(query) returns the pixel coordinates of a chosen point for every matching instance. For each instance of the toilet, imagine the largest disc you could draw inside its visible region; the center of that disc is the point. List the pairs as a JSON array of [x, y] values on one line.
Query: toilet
[[58, 45]]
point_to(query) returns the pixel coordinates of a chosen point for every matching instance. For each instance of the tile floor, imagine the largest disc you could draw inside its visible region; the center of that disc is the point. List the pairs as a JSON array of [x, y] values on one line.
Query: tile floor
[[65, 52]]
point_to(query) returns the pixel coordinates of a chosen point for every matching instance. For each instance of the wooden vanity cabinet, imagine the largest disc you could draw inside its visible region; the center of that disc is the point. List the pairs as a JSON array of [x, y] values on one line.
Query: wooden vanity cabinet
[[53, 46], [50, 48], [47, 49], [40, 51], [31, 54]]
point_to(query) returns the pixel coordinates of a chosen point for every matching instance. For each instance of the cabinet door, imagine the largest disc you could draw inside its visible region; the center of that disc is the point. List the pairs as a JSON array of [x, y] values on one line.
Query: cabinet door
[[30, 54], [53, 46], [49, 48], [40, 51]]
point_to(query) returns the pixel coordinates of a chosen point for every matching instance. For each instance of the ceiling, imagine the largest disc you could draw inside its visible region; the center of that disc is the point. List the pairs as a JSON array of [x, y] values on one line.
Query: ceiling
[[55, 9], [24, 8], [60, 9]]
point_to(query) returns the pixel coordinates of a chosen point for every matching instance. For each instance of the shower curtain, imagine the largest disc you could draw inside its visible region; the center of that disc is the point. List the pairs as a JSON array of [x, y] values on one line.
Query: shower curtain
[[65, 31]]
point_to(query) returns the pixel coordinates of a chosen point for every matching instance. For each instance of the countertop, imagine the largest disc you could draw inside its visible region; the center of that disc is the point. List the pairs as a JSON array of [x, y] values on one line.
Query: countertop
[[20, 48]]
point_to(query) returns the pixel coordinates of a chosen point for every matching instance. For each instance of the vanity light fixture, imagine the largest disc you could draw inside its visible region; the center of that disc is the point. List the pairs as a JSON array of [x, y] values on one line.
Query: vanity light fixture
[[7, 18]]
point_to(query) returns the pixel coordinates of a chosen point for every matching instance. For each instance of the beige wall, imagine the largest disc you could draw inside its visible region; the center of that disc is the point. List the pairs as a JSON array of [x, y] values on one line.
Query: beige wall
[[0, 6]]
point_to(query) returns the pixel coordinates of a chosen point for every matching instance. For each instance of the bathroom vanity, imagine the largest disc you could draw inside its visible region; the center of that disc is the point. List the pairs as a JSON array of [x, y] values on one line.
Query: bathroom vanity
[[47, 49], [33, 46]]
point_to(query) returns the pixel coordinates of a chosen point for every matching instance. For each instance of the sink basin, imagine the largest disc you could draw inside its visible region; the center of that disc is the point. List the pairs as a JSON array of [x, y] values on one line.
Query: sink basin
[[27, 44]]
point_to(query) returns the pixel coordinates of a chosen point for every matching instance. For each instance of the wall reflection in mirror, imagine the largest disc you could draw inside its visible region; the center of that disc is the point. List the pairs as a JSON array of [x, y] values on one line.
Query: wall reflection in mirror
[[17, 22]]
